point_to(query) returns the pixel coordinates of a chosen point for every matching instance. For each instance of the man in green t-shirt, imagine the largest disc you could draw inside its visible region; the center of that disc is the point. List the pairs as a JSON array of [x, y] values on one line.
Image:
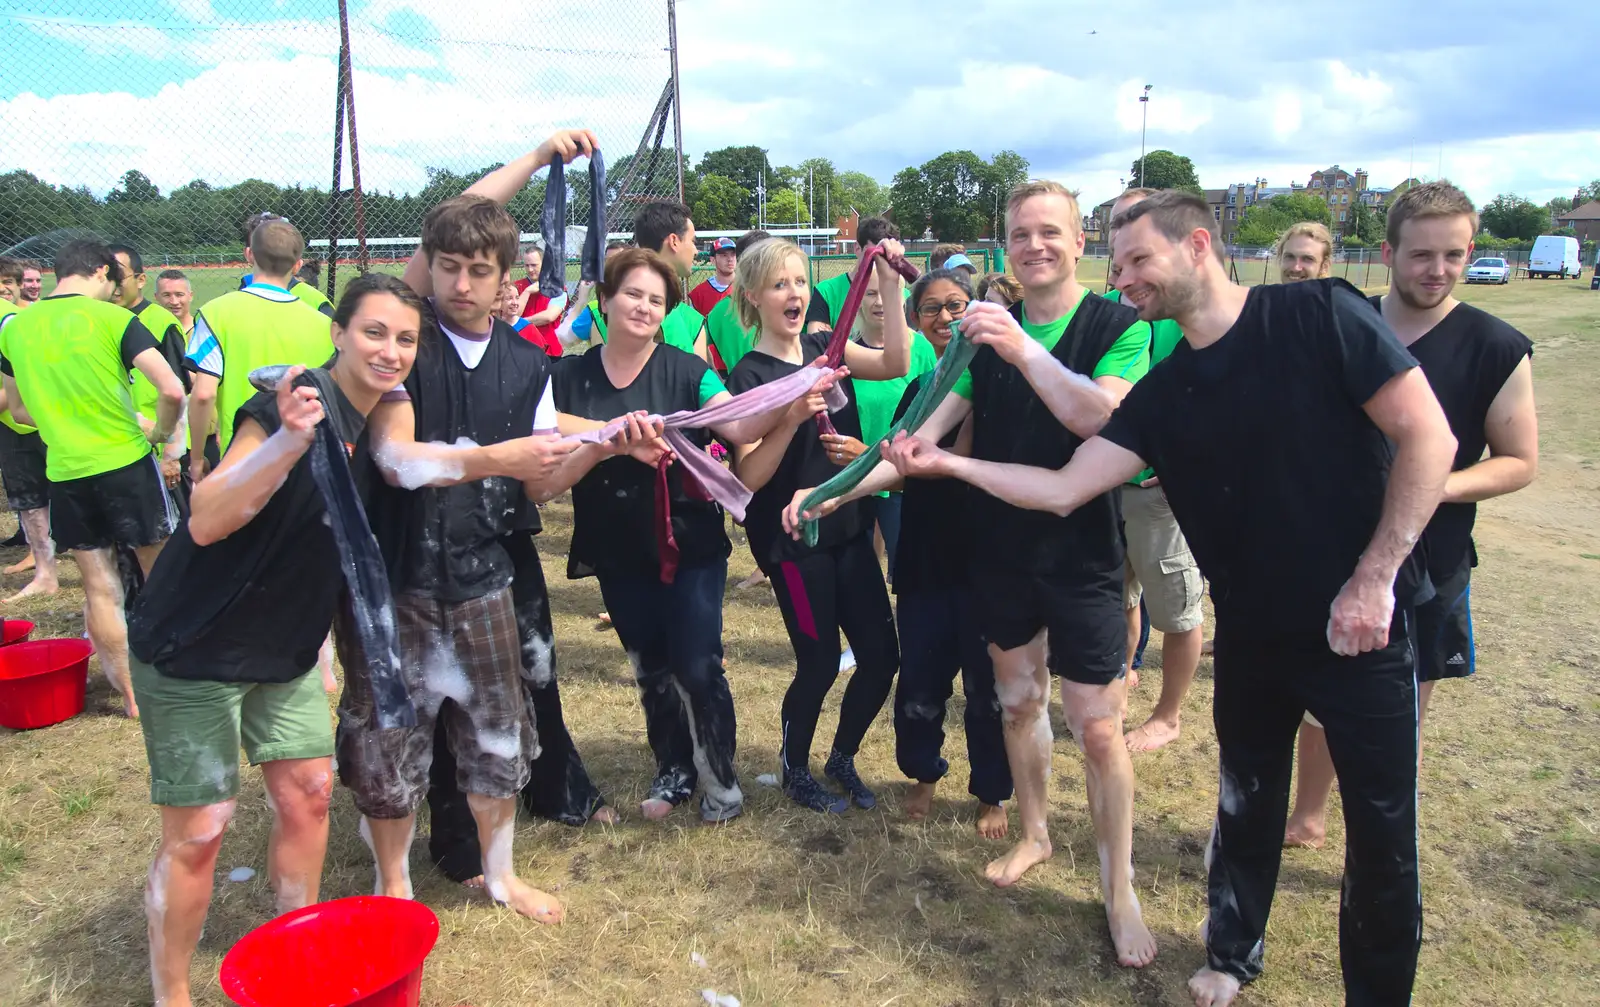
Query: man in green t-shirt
[[1047, 376], [65, 363], [827, 296], [244, 329], [664, 226], [22, 467], [1161, 572], [172, 340]]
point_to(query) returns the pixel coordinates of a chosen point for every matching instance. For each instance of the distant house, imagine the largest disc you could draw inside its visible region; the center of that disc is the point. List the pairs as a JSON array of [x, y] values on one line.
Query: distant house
[[1584, 220]]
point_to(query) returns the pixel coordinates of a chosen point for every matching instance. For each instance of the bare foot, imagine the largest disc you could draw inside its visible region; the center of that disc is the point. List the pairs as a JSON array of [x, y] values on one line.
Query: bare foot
[[992, 822], [605, 815], [35, 589], [400, 888], [1213, 989], [1207, 647], [541, 907], [756, 578], [1151, 735], [1305, 832], [1005, 871], [130, 708], [1133, 679], [655, 809], [22, 565], [1135, 947], [604, 617], [919, 801], [475, 883]]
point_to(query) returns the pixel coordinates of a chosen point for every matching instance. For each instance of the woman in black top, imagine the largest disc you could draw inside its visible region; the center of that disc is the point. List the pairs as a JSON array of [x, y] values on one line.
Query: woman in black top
[[225, 635], [939, 634], [664, 598], [836, 584]]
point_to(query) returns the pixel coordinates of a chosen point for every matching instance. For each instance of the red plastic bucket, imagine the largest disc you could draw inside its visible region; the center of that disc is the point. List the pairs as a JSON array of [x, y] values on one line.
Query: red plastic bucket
[[15, 631], [365, 951], [42, 682]]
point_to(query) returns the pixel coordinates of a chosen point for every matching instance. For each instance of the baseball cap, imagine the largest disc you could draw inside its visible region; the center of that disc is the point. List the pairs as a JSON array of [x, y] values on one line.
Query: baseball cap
[[723, 245], [958, 260]]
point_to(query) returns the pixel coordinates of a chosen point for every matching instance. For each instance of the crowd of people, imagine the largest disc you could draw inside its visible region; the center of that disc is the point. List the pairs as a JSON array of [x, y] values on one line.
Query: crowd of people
[[1100, 459]]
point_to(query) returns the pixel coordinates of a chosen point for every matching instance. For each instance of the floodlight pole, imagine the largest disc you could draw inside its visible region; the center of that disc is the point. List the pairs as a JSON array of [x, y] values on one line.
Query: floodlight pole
[[1144, 103]]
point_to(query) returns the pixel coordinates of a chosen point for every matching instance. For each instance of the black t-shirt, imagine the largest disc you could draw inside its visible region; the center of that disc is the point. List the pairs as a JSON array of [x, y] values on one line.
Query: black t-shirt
[[444, 543], [1467, 357], [805, 464], [1274, 471], [256, 606], [614, 506], [935, 550]]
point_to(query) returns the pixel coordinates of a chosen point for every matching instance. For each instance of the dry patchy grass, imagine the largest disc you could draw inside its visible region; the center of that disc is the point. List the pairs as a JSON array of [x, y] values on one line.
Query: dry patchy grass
[[788, 907]]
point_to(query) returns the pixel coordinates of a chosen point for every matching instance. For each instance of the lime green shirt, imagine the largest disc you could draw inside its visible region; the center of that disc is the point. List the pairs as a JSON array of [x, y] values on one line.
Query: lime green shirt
[[164, 325], [682, 327], [312, 297], [1128, 358], [723, 330], [1165, 335], [69, 356], [254, 327], [7, 312], [833, 290], [876, 401]]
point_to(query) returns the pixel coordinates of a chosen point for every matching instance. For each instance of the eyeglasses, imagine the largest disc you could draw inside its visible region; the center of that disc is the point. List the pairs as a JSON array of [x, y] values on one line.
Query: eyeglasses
[[957, 308]]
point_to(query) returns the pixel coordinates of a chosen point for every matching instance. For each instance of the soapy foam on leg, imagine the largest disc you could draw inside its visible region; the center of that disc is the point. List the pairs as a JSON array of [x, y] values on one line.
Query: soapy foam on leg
[[497, 859], [722, 797]]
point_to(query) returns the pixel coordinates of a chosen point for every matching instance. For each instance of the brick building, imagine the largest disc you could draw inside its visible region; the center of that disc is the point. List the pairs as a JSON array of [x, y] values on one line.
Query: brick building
[[1584, 221]]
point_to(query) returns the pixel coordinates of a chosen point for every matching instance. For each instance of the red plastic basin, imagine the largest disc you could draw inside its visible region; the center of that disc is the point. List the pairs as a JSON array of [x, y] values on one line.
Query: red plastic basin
[[42, 682], [365, 951], [15, 631]]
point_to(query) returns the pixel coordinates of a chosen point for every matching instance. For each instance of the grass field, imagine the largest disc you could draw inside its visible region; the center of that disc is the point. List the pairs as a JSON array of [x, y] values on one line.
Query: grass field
[[789, 907]]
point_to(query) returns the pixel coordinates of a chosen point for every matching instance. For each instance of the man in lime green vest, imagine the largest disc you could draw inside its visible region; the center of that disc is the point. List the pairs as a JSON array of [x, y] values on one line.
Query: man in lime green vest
[[1160, 572], [22, 466], [65, 363], [302, 278], [661, 226], [723, 331], [245, 329], [171, 339], [827, 296]]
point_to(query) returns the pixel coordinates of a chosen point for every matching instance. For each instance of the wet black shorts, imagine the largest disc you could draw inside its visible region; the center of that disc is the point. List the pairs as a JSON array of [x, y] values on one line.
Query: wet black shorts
[[1444, 630], [1086, 631], [127, 506], [22, 470]]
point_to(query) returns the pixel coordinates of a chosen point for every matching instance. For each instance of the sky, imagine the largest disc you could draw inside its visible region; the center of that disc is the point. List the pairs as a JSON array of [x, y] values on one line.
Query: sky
[[1497, 98]]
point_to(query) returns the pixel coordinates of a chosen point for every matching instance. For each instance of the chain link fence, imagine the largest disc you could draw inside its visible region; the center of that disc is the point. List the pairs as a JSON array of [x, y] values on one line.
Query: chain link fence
[[164, 124]]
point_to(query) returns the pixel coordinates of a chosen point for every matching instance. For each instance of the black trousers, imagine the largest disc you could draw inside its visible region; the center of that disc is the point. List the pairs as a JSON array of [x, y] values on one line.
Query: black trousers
[[560, 788], [673, 633], [840, 587], [939, 637], [1368, 705]]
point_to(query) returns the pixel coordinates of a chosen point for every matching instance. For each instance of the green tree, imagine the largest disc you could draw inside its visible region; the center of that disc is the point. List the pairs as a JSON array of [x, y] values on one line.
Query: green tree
[[1558, 206], [1589, 192], [1509, 215], [136, 188], [721, 204], [1006, 170], [1262, 223], [860, 192], [958, 195], [1165, 170], [744, 167], [909, 202], [785, 208], [1365, 223]]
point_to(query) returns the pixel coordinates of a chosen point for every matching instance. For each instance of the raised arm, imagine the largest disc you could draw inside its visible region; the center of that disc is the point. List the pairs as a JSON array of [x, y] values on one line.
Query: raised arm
[[1512, 430], [255, 466], [1097, 467], [505, 182], [894, 360], [1405, 409]]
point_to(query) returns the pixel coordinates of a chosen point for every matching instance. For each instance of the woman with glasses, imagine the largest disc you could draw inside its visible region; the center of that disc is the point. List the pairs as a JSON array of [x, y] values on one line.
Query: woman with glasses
[[876, 401], [938, 633]]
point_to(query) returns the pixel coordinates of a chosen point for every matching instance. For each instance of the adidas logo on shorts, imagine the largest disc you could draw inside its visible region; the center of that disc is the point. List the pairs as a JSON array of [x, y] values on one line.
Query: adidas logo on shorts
[[1457, 659]]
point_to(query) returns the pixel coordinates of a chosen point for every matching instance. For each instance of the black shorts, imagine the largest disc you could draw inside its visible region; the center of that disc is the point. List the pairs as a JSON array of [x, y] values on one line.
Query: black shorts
[[1444, 630], [127, 506], [22, 470], [1086, 631]]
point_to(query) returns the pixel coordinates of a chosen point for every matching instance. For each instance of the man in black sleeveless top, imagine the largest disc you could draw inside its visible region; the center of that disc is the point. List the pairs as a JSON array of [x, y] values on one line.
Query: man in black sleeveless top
[[1289, 423], [1049, 587]]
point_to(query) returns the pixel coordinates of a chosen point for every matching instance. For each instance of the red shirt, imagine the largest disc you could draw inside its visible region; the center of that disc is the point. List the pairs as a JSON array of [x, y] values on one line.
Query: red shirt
[[543, 336], [705, 297]]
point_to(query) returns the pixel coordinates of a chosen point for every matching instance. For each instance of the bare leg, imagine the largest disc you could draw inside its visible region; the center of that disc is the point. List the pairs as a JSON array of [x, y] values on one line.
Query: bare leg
[[1135, 624], [390, 842], [919, 801], [147, 555], [1023, 686], [300, 790], [1094, 713], [330, 685], [108, 626], [1424, 694], [1308, 822], [178, 892], [42, 555], [497, 824], [1180, 656], [1213, 989], [992, 822]]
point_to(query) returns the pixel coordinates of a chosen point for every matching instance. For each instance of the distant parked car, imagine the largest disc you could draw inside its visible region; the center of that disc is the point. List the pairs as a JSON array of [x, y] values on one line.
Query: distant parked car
[[1489, 271]]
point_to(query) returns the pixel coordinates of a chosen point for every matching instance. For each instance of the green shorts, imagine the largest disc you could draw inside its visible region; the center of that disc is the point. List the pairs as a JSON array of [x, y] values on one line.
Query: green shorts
[[193, 729]]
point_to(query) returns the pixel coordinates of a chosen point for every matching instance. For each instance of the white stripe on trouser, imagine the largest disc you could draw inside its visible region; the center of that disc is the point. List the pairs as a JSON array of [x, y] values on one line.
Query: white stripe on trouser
[[166, 496]]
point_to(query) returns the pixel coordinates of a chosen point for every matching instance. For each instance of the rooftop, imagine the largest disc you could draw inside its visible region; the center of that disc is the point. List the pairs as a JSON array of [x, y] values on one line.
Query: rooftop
[[1588, 211]]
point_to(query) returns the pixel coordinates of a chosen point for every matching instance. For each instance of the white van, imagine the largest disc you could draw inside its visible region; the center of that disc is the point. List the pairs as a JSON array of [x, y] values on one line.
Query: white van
[[1554, 256]]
